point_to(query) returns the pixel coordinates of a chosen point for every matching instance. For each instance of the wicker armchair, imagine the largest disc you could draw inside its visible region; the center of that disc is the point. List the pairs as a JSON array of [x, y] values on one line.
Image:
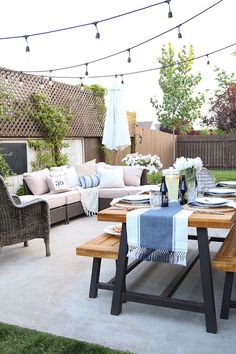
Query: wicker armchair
[[23, 222]]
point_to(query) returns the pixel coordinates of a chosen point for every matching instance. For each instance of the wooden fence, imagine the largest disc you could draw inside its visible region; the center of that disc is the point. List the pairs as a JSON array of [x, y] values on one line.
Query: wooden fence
[[216, 151], [152, 142]]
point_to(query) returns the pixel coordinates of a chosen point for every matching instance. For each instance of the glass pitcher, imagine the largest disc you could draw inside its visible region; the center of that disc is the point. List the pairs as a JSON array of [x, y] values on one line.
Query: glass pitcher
[[172, 183]]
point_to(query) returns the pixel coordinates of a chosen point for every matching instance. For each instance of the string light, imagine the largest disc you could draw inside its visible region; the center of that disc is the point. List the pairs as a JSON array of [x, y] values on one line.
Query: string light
[[208, 61], [87, 24], [6, 78], [50, 82], [86, 69], [151, 69], [42, 83], [27, 48], [97, 34], [81, 84], [179, 33], [129, 59], [135, 46], [170, 15], [21, 80]]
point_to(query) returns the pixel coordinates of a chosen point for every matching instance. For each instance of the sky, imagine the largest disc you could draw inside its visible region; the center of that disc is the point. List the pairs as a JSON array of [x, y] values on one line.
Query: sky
[[208, 32]]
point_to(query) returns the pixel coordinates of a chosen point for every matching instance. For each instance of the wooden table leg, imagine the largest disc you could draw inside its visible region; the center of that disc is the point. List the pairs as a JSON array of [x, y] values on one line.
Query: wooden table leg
[[207, 283]]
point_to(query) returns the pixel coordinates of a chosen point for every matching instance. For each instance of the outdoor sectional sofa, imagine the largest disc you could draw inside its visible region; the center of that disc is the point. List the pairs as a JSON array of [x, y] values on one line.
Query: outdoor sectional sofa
[[65, 201]]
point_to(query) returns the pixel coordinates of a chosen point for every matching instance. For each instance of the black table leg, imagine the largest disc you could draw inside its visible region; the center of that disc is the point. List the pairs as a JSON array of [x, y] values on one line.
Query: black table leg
[[121, 268], [207, 283]]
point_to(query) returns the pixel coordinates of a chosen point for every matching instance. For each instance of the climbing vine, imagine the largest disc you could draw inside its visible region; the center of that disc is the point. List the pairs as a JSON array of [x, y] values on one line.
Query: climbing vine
[[55, 123]]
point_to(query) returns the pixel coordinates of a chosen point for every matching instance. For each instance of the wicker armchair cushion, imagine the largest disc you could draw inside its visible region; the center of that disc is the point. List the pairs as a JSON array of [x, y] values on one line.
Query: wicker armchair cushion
[[36, 181]]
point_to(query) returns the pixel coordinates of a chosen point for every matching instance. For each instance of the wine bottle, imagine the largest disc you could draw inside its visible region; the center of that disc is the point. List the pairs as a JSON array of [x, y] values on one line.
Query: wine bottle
[[183, 190], [164, 193]]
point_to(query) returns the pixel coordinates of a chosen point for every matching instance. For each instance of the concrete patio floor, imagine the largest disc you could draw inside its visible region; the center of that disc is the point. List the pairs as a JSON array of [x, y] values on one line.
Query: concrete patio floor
[[50, 294]]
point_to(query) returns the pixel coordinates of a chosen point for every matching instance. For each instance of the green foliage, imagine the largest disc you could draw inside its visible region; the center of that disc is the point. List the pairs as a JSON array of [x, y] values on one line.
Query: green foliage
[[5, 104], [180, 105], [222, 112], [20, 190], [18, 340], [154, 178], [55, 124], [99, 94], [5, 170]]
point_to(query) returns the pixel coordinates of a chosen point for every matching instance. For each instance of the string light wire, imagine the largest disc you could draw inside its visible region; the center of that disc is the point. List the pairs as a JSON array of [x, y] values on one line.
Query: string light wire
[[147, 70], [125, 50], [86, 24]]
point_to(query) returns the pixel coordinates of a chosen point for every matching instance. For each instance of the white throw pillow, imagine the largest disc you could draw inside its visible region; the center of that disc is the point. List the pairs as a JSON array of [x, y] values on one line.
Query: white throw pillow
[[71, 177], [111, 178], [57, 183]]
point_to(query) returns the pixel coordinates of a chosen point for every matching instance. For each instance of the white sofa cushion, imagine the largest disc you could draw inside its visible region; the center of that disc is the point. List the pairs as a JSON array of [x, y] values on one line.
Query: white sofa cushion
[[72, 197], [36, 181], [54, 200]]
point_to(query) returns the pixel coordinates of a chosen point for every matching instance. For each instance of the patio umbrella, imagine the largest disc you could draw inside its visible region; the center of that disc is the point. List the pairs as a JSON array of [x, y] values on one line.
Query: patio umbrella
[[116, 129]]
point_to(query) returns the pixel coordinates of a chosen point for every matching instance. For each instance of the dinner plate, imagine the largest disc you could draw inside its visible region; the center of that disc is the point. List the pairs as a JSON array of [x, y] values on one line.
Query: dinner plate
[[110, 229], [136, 198], [220, 191], [208, 201], [227, 183]]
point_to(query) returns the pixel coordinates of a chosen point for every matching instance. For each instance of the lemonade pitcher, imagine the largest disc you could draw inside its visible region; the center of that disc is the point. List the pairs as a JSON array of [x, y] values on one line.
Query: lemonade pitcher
[[172, 183]]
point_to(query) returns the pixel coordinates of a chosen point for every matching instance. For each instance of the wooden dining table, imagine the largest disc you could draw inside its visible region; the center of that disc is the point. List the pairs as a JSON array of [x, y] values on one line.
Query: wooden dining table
[[200, 221]]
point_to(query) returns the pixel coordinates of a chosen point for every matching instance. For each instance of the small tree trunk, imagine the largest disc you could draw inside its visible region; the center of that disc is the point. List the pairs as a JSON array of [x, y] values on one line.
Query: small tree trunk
[[173, 135]]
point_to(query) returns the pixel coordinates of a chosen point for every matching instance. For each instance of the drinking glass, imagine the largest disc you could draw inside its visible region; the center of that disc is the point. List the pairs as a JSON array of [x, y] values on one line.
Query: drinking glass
[[155, 199], [172, 183]]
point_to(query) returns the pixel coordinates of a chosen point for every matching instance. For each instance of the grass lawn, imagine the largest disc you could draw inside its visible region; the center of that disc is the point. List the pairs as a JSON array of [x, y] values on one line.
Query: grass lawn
[[17, 340], [220, 175], [224, 175]]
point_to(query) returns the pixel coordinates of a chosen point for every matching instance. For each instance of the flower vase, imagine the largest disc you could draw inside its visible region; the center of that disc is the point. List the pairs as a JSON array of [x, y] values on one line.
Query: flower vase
[[191, 182]]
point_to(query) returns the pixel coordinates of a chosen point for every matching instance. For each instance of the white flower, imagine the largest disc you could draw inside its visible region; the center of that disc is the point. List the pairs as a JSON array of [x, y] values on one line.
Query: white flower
[[183, 163], [151, 162]]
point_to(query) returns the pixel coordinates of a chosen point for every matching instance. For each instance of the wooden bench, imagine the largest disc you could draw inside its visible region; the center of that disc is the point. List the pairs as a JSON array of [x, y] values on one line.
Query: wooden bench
[[225, 260], [102, 246]]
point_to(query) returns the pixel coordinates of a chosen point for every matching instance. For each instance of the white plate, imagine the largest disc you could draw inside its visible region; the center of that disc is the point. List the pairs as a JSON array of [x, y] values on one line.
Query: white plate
[[220, 191], [228, 183], [211, 201], [136, 198], [111, 231]]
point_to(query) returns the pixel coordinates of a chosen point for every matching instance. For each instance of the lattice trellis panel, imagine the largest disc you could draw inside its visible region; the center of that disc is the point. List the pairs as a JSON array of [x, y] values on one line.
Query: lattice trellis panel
[[20, 86]]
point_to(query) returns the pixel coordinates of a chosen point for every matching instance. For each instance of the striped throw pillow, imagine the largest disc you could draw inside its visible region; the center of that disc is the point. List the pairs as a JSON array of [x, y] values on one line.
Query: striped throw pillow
[[89, 181]]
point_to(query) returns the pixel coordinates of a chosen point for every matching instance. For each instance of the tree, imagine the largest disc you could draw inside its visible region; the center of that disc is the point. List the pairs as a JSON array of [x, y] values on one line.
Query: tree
[[180, 105], [222, 113]]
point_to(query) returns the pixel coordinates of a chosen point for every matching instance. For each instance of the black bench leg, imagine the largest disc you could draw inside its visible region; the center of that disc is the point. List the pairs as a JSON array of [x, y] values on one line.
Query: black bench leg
[[93, 291], [228, 284], [121, 271]]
